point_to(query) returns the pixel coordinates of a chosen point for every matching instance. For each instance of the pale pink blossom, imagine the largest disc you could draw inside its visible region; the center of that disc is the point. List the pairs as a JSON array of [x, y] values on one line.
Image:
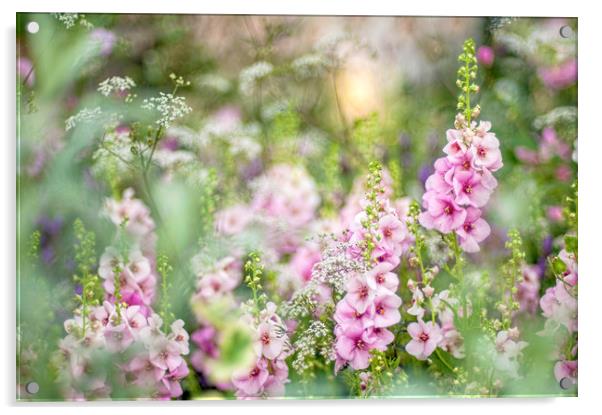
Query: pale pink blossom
[[425, 339]]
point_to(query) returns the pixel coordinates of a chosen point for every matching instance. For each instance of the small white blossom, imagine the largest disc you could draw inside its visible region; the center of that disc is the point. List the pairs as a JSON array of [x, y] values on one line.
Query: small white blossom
[[250, 75], [169, 107], [115, 84], [85, 114]]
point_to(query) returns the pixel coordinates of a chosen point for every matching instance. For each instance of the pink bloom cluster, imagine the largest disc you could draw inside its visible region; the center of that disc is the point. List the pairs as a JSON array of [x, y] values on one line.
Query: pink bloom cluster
[[214, 284], [285, 200], [462, 183], [509, 350], [138, 276], [528, 289], [157, 365], [269, 373], [559, 303], [426, 337], [549, 145], [371, 303], [560, 76]]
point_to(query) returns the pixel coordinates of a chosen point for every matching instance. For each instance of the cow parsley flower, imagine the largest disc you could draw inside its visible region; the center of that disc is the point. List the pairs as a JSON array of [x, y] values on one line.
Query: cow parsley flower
[[168, 106], [116, 84]]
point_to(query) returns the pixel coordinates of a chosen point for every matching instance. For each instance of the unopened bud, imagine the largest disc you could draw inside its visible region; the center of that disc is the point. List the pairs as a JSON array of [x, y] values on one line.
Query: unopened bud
[[428, 291], [413, 262]]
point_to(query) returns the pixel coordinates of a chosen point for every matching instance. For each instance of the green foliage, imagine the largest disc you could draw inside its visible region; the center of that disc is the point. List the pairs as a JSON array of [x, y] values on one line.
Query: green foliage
[[165, 269], [85, 258]]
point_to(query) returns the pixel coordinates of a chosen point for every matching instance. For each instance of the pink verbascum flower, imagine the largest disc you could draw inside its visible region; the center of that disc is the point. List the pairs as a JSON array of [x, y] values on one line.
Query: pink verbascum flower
[[359, 294], [462, 183], [425, 339], [353, 345], [386, 310], [473, 231], [442, 213]]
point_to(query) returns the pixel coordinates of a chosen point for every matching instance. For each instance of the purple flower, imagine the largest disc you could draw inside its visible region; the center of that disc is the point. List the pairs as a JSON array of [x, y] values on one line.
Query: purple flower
[[485, 55], [105, 40]]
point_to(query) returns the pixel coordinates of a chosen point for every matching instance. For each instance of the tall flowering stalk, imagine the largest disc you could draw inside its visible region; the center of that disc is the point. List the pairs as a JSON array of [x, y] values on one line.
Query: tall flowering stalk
[[370, 304], [145, 359], [463, 181], [269, 371]]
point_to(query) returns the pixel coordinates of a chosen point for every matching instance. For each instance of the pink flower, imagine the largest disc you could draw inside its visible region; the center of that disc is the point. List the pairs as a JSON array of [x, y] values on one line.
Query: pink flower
[[104, 39], [118, 338], [359, 294], [381, 277], [566, 369], [485, 55], [233, 220], [439, 181], [353, 345], [165, 354], [560, 76], [380, 337], [179, 336], [528, 289], [346, 315], [270, 342], [442, 213], [251, 382], [392, 230], [138, 267], [469, 190], [25, 70], [386, 310], [425, 338], [146, 373], [486, 151], [455, 148], [303, 261], [473, 231]]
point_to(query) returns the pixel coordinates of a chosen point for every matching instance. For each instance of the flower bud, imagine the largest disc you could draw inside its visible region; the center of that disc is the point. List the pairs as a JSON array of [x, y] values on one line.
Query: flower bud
[[428, 291]]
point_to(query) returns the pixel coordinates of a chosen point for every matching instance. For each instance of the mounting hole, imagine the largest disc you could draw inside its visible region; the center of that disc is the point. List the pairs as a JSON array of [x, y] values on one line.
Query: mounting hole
[[566, 383], [32, 388], [33, 27], [566, 31]]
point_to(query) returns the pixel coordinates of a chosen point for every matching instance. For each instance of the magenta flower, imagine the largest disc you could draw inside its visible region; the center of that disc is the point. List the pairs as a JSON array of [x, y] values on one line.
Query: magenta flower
[[392, 230], [270, 342], [165, 354], [386, 310], [346, 315], [485, 55], [469, 189], [566, 369], [442, 213], [473, 231], [251, 382], [380, 277], [359, 294], [353, 345], [425, 339], [486, 149]]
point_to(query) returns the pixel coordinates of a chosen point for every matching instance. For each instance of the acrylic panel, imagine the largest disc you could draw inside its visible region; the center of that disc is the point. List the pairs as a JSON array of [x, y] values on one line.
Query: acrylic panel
[[295, 207]]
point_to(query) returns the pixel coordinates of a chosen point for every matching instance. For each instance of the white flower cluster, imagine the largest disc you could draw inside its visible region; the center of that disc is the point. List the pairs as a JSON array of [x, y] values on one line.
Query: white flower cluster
[[309, 66], [116, 84], [71, 19], [313, 342], [85, 114], [215, 82], [336, 266], [251, 75], [169, 107]]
